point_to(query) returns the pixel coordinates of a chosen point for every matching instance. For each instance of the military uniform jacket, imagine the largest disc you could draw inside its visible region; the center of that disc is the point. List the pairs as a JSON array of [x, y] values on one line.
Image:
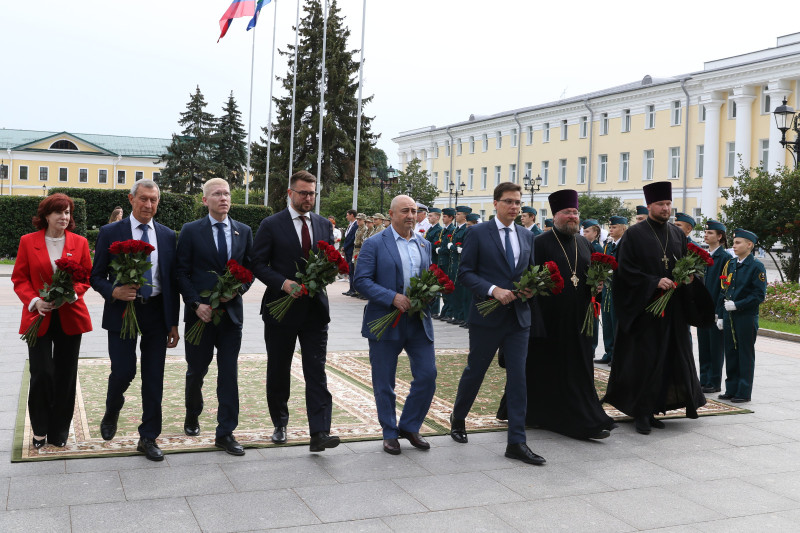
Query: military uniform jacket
[[747, 289], [433, 234], [711, 279], [361, 234], [444, 252]]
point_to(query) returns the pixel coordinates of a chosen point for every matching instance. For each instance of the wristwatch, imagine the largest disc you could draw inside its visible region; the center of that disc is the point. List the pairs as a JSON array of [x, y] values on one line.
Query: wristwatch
[[195, 306]]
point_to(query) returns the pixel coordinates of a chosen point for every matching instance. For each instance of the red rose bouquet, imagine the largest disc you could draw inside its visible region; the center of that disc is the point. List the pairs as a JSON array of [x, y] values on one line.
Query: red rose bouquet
[[422, 290], [322, 268], [601, 268], [542, 280], [227, 286], [59, 291], [694, 262], [129, 266]]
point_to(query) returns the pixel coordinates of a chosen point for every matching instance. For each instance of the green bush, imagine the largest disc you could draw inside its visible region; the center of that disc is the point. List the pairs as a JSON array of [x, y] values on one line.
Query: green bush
[[16, 215], [91, 236], [252, 215]]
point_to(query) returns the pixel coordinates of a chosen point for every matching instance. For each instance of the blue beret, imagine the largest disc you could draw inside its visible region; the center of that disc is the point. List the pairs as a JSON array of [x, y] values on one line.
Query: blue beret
[[589, 222], [473, 217], [743, 233], [641, 210], [449, 211], [530, 210], [713, 224], [548, 222], [683, 217], [618, 220], [463, 209], [434, 210]]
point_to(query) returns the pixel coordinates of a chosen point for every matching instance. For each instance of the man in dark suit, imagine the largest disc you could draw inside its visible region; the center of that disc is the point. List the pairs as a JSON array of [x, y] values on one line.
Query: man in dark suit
[[348, 244], [385, 267], [204, 248], [495, 255], [156, 305], [281, 246]]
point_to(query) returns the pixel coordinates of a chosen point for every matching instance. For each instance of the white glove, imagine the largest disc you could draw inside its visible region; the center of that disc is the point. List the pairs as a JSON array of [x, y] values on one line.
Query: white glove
[[449, 245], [458, 248], [719, 324], [729, 305], [436, 249]]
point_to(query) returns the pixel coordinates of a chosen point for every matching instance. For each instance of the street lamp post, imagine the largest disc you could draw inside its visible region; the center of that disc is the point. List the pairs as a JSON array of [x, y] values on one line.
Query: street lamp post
[[786, 119], [459, 189], [532, 186], [382, 181]]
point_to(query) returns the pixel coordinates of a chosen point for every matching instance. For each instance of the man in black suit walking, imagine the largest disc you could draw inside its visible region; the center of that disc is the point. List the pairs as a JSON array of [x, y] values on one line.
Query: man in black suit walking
[[281, 247], [348, 244], [204, 248]]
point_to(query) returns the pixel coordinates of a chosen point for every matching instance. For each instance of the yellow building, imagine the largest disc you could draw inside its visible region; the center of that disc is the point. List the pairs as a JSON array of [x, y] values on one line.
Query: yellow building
[[35, 161], [695, 129]]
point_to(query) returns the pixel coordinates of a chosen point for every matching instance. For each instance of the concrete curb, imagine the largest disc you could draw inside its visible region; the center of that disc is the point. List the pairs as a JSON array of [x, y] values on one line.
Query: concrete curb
[[791, 337]]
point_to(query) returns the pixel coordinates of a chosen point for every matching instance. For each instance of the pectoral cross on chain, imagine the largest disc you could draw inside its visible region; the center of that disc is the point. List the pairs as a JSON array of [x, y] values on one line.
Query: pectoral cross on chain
[[666, 262], [574, 279]]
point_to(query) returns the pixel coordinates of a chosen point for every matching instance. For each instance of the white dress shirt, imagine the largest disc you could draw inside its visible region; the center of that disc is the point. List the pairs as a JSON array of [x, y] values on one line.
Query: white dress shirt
[[298, 225], [227, 231], [513, 237], [151, 235]]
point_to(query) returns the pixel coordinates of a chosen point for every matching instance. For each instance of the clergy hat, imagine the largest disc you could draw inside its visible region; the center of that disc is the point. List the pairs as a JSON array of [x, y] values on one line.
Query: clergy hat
[[589, 222], [743, 233], [615, 219], [435, 210], [563, 199], [657, 192], [530, 210], [642, 210], [421, 207], [548, 223], [473, 217], [713, 224], [463, 209], [449, 211], [683, 217]]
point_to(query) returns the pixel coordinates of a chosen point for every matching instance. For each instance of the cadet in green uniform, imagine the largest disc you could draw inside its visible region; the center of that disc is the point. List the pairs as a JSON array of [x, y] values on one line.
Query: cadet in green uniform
[[591, 230], [641, 213], [709, 340], [746, 288], [548, 224], [433, 236], [528, 218], [616, 228], [443, 253], [686, 223], [461, 294]]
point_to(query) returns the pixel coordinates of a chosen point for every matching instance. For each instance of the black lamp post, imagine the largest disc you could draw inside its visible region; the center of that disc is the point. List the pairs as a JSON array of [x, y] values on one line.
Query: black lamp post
[[532, 186], [457, 189], [383, 182], [786, 119]]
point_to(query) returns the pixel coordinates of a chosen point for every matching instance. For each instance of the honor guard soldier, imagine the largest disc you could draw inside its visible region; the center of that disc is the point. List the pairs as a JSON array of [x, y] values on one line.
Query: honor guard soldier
[[434, 235], [710, 340], [443, 253], [686, 223], [528, 218], [641, 213], [461, 295], [548, 224], [616, 228]]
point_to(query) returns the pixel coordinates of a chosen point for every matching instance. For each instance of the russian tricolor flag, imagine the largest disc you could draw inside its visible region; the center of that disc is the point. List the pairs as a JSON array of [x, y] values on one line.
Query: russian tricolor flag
[[239, 8]]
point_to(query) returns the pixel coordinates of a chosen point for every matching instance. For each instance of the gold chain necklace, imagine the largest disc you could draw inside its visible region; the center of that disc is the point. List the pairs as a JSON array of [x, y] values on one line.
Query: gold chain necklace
[[574, 279], [664, 247]]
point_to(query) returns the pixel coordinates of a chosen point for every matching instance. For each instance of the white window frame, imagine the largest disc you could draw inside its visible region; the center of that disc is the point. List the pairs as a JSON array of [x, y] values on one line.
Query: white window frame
[[562, 171], [700, 155], [46, 173], [83, 175], [100, 172], [435, 179], [124, 175], [650, 117], [582, 167], [27, 171], [676, 113], [674, 168], [512, 172], [458, 146], [546, 132], [626, 120], [484, 177], [472, 144], [528, 170], [584, 129], [458, 179], [514, 137], [701, 113], [436, 151], [447, 148], [564, 129], [470, 178], [763, 145], [730, 159], [530, 135], [545, 173], [624, 166], [498, 175], [446, 180], [603, 123], [156, 176], [65, 172], [648, 165], [602, 165], [766, 101], [485, 141], [731, 109], [138, 175], [498, 140]]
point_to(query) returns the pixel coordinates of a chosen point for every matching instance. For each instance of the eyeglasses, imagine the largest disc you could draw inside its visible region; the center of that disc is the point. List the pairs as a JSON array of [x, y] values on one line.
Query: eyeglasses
[[571, 212], [305, 194], [509, 202]]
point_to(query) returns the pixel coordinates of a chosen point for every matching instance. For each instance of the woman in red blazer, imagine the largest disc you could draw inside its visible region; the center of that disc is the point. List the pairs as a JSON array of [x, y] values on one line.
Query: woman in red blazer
[[54, 357]]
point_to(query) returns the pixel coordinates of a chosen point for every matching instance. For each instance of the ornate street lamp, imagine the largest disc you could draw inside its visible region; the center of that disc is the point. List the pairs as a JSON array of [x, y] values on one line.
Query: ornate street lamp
[[459, 189], [384, 182], [786, 119], [532, 186]]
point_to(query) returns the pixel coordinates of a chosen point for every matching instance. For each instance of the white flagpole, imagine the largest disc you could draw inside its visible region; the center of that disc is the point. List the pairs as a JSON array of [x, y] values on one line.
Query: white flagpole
[[250, 122], [269, 120], [321, 101], [358, 120], [294, 90]]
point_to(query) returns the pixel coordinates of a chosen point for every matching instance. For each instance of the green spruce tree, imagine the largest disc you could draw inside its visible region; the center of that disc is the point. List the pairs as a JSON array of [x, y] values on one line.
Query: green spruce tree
[[231, 145]]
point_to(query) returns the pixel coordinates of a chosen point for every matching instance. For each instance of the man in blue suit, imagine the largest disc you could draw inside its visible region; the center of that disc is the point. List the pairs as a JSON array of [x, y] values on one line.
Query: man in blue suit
[[204, 248], [281, 246], [495, 255], [385, 266], [156, 305], [348, 245]]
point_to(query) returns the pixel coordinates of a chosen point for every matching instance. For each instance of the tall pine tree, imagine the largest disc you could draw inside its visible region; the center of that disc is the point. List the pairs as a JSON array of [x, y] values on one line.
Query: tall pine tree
[[190, 155], [231, 149], [341, 109]]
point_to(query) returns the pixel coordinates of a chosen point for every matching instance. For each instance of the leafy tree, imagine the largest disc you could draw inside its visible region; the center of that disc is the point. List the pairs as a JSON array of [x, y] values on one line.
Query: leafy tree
[[415, 182], [377, 159], [190, 156], [231, 147], [340, 199], [769, 206], [602, 208]]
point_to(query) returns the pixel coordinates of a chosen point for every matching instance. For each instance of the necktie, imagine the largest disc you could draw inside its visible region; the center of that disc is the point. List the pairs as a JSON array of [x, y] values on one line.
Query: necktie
[[306, 237], [222, 243], [147, 289], [509, 250]]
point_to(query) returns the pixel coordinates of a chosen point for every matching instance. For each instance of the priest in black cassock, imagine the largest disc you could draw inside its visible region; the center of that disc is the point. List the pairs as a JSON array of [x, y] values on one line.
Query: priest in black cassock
[[653, 370], [560, 370]]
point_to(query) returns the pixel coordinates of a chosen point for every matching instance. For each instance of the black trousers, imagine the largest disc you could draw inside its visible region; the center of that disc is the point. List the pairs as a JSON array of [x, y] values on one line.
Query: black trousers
[[54, 374], [280, 341]]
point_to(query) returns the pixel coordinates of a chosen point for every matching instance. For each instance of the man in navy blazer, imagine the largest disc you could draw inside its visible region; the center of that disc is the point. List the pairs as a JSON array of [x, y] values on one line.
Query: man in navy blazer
[[281, 246], [348, 246], [495, 255], [385, 266], [204, 248], [157, 309]]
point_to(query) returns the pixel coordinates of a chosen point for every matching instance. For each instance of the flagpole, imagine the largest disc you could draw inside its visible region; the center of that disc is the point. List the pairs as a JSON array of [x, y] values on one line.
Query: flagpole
[[294, 91], [358, 120], [250, 121], [269, 120], [321, 101]]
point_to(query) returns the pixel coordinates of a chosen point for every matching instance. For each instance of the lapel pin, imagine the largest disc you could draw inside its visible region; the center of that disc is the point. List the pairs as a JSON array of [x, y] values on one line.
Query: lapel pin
[[69, 254], [235, 232]]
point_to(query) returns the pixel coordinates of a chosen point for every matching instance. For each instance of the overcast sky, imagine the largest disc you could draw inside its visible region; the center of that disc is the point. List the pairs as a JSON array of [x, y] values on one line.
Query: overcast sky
[[128, 68]]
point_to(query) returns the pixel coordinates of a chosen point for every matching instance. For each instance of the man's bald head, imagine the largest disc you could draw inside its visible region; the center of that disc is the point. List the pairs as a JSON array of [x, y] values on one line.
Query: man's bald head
[[403, 214]]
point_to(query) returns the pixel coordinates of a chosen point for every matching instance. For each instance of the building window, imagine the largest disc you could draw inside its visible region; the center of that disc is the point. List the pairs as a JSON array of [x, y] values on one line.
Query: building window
[[650, 117], [546, 132], [83, 175], [701, 149], [470, 178], [23, 172], [543, 213], [498, 139], [675, 162], [446, 180], [43, 173], [626, 120], [581, 170], [584, 127], [604, 124], [624, 166], [458, 179], [139, 175], [530, 134], [447, 148], [3, 172], [497, 173], [102, 176], [514, 137], [562, 171], [731, 109], [63, 174], [484, 173], [766, 107], [485, 142], [563, 130], [528, 170], [764, 145], [436, 151], [545, 173], [156, 176], [458, 146], [697, 213], [121, 177], [603, 175], [730, 159], [649, 164], [435, 179], [512, 173], [63, 145], [701, 115], [472, 145], [675, 116]]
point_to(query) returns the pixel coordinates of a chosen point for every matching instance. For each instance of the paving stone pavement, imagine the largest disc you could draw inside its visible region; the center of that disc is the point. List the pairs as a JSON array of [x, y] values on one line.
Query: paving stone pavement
[[715, 474]]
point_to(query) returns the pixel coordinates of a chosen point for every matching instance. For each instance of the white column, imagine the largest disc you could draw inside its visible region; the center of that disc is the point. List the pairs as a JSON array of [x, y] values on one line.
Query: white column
[[710, 191], [743, 96], [778, 90]]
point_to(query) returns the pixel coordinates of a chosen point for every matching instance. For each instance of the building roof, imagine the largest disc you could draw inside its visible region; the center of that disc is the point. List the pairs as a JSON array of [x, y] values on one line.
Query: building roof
[[113, 144]]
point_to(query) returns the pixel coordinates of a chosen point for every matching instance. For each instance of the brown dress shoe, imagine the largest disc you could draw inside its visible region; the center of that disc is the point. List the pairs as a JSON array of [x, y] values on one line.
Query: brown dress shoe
[[415, 439], [391, 446]]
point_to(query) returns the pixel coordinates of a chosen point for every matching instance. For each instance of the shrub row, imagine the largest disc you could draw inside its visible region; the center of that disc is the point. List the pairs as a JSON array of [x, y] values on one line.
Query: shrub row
[[782, 303], [16, 215]]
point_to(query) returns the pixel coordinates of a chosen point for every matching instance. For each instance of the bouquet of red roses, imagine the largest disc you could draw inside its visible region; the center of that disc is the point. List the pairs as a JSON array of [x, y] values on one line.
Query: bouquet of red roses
[[129, 265], [542, 280], [61, 290], [601, 268], [422, 290], [227, 286], [322, 268], [694, 262]]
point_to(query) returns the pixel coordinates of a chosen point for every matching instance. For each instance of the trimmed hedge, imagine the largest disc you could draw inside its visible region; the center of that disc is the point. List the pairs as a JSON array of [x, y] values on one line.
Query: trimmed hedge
[[252, 215], [16, 214]]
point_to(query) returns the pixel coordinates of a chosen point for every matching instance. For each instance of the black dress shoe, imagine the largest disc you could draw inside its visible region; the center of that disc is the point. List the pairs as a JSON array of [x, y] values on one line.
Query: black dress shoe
[[642, 424], [464, 325], [191, 426], [740, 400], [322, 440], [725, 396], [416, 440], [523, 453], [57, 440], [458, 430], [435, 315], [108, 426], [279, 435], [656, 423], [39, 443], [229, 444], [602, 361], [602, 434], [150, 449], [391, 446]]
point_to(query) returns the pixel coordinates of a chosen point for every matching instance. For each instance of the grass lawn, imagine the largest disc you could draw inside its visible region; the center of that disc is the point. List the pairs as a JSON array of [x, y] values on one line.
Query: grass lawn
[[5, 261], [778, 326]]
